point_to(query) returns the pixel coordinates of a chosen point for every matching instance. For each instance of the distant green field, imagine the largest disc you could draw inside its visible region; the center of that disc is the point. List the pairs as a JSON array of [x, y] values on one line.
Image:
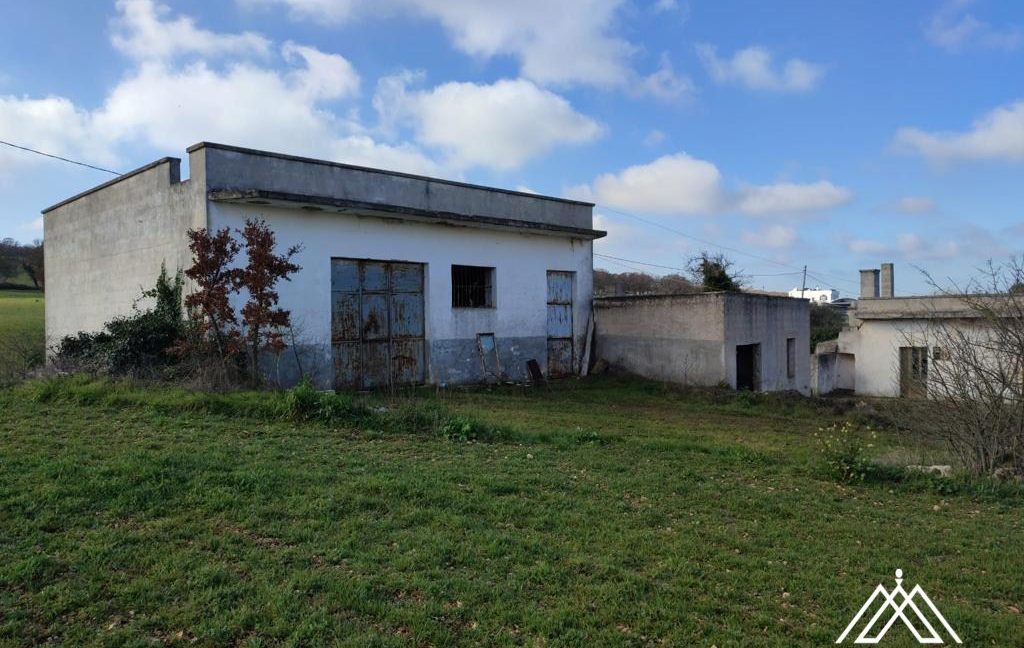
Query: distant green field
[[20, 279], [22, 331]]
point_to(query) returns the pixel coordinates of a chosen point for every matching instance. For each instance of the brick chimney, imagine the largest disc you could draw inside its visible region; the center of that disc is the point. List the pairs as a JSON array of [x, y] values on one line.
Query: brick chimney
[[887, 288], [869, 283]]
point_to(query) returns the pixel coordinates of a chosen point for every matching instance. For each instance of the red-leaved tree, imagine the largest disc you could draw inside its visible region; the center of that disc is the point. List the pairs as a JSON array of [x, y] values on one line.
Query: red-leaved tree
[[264, 320], [209, 305]]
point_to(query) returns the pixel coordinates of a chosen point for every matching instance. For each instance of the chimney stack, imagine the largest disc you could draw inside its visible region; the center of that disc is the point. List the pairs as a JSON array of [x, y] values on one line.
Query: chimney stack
[[887, 287], [869, 283]]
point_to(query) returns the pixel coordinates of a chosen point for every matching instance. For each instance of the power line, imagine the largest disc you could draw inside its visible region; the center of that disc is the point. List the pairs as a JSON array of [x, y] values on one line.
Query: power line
[[711, 243], [62, 159], [643, 263]]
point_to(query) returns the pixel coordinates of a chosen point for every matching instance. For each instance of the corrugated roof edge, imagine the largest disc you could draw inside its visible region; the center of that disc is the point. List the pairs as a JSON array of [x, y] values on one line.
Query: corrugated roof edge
[[108, 183], [341, 165]]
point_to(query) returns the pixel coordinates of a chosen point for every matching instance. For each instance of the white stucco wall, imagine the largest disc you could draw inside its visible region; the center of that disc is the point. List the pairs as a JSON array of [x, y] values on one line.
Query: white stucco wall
[[521, 262]]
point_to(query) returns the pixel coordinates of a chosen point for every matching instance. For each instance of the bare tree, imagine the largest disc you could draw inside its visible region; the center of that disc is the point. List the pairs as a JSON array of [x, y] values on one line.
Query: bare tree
[[973, 342]]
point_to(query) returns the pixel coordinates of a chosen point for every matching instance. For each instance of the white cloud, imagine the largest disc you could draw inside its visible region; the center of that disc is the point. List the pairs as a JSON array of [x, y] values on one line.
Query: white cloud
[[322, 76], [568, 41], [665, 84], [672, 184], [665, 5], [500, 125], [953, 27], [51, 124], [998, 135], [682, 184], [143, 31], [791, 198], [654, 137], [168, 105], [909, 246], [772, 236], [753, 68], [915, 205]]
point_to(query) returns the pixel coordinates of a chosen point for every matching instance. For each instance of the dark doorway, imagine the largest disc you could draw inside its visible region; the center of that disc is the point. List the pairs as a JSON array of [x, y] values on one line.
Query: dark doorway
[[748, 367]]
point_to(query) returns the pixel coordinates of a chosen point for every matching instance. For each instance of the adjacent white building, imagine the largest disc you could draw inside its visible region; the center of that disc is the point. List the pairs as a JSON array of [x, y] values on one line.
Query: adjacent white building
[[816, 295], [889, 347], [405, 279]]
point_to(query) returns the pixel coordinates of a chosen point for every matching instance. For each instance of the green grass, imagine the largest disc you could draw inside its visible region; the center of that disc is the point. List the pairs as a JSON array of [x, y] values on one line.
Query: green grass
[[22, 332], [611, 513]]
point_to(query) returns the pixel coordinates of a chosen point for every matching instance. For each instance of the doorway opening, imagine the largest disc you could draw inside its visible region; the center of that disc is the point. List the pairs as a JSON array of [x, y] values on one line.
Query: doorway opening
[[748, 367]]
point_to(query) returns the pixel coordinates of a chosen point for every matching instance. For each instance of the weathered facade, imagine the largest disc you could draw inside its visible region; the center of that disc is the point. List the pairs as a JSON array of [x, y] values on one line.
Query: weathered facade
[[888, 348], [405, 279], [747, 341]]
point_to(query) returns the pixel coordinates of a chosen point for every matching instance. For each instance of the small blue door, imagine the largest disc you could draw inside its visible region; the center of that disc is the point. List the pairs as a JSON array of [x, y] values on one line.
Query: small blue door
[[559, 325]]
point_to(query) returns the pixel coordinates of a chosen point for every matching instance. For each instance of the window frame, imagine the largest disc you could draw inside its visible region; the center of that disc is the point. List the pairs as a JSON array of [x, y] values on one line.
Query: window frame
[[462, 300]]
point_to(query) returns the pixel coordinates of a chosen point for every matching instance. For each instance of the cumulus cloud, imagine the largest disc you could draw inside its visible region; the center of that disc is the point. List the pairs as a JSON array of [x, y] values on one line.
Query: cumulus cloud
[[997, 135], [144, 30], [569, 41], [685, 185], [51, 124], [775, 237], [672, 184], [791, 198], [753, 68], [168, 102], [665, 83], [964, 241], [952, 27], [500, 125]]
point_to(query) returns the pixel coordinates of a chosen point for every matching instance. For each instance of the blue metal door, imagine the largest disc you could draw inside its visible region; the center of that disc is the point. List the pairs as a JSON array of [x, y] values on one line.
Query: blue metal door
[[377, 323], [560, 341]]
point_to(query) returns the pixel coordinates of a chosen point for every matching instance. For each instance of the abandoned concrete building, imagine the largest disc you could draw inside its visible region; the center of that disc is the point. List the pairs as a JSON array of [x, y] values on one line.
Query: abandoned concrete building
[[405, 279], [885, 349], [744, 340]]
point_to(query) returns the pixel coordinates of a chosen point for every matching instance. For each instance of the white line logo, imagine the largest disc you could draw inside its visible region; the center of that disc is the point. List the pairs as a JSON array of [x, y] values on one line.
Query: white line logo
[[890, 602]]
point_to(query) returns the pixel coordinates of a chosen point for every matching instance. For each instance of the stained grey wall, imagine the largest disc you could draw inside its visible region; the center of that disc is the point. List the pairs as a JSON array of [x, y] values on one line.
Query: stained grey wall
[[106, 246], [677, 339], [768, 320]]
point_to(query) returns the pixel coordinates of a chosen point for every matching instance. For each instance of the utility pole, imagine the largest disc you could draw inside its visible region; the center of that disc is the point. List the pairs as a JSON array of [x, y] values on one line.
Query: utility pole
[[803, 286]]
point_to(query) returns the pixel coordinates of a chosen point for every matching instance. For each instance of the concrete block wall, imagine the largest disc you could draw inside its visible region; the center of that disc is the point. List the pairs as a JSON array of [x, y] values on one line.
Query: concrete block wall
[[677, 339], [105, 246]]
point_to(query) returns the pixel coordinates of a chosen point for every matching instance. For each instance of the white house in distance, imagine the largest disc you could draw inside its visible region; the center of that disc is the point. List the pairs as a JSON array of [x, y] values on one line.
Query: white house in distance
[[405, 279], [816, 295], [888, 347]]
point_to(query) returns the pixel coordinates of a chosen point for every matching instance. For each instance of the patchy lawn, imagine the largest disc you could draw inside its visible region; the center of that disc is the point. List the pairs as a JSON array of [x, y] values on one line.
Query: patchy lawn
[[612, 513]]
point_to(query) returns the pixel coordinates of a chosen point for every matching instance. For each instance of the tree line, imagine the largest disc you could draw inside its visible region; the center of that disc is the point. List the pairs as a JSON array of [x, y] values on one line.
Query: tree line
[[18, 259]]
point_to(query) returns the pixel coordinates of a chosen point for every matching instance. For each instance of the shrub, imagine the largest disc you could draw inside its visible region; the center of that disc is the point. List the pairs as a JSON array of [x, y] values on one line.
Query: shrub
[[846, 452], [133, 344], [304, 403]]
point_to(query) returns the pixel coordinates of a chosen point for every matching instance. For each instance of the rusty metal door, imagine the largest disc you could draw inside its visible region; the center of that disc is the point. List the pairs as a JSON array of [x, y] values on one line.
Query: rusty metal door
[[559, 326], [913, 372], [377, 323]]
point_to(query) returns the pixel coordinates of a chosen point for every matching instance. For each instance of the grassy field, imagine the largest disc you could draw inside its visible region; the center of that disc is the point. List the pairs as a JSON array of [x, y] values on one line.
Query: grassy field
[[611, 513], [22, 338]]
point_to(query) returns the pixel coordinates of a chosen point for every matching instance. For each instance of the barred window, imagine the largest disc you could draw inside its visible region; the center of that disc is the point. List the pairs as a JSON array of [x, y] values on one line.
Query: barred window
[[472, 287]]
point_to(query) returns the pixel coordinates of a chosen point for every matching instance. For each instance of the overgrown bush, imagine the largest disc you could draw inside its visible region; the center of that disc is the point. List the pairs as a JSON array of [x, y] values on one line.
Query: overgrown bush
[[135, 344], [846, 451], [305, 403]]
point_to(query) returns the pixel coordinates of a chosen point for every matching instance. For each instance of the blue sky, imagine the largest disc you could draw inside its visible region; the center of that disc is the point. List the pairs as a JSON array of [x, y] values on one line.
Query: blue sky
[[832, 134]]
